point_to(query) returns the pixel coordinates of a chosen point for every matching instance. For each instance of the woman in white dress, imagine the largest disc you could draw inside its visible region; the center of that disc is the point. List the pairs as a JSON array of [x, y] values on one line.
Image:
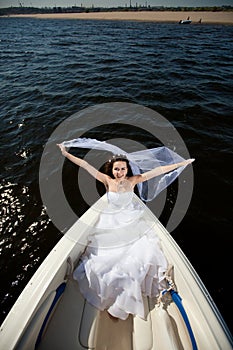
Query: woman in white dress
[[123, 261]]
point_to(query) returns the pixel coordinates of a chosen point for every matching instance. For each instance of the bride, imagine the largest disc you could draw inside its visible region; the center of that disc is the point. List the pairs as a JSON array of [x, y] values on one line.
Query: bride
[[123, 261]]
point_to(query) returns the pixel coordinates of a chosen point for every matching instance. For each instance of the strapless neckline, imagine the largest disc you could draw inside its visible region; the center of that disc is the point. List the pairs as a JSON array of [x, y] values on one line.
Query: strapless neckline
[[119, 192]]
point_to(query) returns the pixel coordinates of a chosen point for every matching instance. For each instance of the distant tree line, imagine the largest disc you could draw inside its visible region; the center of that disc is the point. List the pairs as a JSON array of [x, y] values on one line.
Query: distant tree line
[[76, 9]]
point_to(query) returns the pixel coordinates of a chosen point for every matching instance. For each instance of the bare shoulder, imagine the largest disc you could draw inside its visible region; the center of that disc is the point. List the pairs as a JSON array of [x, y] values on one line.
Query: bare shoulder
[[135, 179], [107, 179]]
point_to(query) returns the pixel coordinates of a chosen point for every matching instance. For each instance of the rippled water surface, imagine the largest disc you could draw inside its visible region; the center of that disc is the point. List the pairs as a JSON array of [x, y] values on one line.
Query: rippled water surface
[[51, 69]]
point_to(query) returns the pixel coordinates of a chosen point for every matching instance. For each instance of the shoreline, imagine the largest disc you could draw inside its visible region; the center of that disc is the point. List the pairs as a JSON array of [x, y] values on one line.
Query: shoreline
[[207, 17]]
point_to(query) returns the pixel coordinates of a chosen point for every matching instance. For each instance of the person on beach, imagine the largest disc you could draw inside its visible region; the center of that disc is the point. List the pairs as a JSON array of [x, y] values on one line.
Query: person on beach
[[123, 261]]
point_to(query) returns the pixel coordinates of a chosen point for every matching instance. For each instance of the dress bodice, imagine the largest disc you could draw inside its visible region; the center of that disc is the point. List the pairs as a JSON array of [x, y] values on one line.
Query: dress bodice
[[116, 223], [120, 199]]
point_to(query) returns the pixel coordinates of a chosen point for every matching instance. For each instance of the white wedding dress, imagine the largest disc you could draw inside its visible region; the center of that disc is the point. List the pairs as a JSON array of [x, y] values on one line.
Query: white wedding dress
[[123, 261]]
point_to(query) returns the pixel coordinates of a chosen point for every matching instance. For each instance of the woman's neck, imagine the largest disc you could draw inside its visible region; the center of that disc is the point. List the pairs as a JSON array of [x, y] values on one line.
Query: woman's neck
[[120, 185]]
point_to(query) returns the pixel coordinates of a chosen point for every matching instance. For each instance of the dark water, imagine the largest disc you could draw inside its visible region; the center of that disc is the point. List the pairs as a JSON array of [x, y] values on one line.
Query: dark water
[[50, 69]]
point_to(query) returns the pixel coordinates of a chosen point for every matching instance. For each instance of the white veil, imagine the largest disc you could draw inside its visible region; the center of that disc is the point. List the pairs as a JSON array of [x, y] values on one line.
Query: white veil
[[140, 162]]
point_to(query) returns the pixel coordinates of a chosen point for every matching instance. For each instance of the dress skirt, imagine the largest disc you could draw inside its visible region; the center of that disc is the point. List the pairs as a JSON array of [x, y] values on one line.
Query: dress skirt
[[123, 261]]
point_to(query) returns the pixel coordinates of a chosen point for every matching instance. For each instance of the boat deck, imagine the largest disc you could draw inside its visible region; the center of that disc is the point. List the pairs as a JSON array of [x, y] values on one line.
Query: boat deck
[[87, 328]]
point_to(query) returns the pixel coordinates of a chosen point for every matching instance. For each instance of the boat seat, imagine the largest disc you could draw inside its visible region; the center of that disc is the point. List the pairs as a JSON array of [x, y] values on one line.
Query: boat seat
[[142, 330], [106, 332], [88, 326], [63, 329], [31, 333]]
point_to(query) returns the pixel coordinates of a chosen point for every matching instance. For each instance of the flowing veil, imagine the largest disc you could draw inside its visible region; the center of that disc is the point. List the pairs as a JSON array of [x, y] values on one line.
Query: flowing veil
[[140, 162]]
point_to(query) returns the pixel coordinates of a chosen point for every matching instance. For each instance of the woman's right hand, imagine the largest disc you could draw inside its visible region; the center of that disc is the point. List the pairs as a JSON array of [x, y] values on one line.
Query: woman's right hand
[[62, 148]]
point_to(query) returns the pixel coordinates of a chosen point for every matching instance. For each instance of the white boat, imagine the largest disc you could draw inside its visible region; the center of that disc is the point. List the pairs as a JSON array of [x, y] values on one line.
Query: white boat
[[185, 21], [51, 314]]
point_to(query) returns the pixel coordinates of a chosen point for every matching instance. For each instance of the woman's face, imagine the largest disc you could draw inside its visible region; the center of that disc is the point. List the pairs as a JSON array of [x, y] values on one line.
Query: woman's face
[[119, 169]]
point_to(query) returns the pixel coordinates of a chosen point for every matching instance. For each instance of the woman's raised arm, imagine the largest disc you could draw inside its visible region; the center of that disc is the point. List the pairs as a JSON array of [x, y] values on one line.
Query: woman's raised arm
[[161, 170], [83, 164]]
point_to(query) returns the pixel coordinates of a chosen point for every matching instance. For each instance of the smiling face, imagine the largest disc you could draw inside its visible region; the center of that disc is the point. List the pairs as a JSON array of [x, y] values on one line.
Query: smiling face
[[119, 169]]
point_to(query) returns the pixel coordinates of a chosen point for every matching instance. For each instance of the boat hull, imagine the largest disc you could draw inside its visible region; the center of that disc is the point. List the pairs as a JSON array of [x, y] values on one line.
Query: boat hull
[[51, 313]]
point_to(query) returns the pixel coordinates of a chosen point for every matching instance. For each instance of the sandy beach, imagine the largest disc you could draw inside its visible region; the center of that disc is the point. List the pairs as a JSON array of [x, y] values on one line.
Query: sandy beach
[[151, 16]]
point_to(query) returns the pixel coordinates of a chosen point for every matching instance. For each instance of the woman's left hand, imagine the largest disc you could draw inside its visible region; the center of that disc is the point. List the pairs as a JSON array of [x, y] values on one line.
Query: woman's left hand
[[189, 161]]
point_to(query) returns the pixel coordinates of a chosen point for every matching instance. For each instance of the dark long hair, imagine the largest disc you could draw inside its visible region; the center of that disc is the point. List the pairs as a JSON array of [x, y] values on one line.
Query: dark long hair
[[108, 166]]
